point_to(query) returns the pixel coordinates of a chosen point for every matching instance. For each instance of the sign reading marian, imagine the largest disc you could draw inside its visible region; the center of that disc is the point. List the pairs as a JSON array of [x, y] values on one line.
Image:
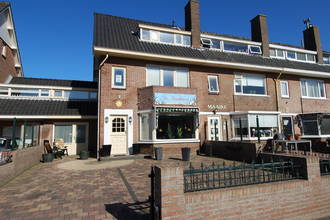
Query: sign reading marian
[[174, 99]]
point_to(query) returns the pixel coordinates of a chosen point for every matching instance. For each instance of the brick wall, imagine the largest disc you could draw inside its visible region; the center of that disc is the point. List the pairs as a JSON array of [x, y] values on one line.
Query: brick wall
[[295, 199], [7, 64], [22, 160]]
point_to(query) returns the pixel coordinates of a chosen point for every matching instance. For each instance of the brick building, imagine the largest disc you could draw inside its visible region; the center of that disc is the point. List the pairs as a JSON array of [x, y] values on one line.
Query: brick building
[[10, 61], [162, 85], [34, 110]]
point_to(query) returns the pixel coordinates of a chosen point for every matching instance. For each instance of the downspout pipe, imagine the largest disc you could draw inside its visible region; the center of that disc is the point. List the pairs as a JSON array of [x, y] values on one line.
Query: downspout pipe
[[98, 106]]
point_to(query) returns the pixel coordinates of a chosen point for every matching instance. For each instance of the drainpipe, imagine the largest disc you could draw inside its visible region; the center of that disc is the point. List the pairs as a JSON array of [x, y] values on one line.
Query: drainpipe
[[98, 107], [276, 90]]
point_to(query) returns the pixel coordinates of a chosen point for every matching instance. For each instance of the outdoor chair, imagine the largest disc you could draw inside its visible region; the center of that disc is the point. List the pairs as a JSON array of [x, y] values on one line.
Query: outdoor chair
[[59, 143], [54, 151]]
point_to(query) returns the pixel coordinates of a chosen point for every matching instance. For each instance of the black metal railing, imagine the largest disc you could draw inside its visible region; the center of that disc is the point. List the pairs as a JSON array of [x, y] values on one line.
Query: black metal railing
[[325, 167], [230, 175]]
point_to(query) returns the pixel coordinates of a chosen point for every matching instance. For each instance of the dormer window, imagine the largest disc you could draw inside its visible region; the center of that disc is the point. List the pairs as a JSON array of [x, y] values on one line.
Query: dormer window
[[164, 37]]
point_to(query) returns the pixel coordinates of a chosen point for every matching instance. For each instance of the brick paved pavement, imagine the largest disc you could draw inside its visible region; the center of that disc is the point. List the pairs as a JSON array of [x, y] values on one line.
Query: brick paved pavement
[[46, 192]]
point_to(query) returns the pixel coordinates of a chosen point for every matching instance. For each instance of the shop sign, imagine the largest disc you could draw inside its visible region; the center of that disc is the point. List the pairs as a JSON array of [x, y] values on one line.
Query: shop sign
[[217, 107], [174, 99]]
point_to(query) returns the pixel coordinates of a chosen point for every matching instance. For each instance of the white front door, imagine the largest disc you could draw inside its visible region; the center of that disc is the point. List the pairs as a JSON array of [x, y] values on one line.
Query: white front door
[[74, 135], [214, 128], [118, 135]]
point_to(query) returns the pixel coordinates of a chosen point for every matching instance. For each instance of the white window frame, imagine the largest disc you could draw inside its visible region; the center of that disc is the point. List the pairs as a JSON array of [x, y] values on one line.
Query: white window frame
[[209, 88], [310, 97], [248, 74], [251, 52], [158, 38], [287, 88], [161, 72], [113, 78]]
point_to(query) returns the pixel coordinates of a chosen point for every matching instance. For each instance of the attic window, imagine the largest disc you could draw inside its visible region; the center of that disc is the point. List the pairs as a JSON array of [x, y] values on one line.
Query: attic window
[[206, 42], [164, 37], [4, 51], [254, 49]]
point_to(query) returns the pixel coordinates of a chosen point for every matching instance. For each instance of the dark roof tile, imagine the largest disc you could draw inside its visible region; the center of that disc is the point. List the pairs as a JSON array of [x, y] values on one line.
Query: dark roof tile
[[25, 107], [116, 33], [4, 5], [53, 82]]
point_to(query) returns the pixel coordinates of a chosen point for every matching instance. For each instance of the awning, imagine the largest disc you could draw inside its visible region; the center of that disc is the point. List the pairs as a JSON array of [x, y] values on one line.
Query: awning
[[172, 109]]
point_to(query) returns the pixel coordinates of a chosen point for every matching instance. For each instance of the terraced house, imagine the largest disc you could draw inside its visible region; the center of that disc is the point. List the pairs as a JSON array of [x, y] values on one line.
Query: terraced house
[[10, 61], [169, 86]]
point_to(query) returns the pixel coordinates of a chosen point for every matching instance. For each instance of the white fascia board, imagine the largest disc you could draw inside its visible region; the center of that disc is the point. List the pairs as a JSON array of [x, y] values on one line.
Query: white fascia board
[[184, 60], [172, 30], [292, 49], [45, 87], [231, 39], [46, 117]]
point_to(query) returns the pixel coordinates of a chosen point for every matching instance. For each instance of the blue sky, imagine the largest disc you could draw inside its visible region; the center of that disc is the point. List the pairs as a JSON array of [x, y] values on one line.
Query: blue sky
[[55, 37]]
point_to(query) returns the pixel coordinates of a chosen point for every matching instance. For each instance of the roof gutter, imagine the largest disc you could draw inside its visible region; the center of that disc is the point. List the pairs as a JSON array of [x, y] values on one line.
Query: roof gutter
[[184, 60], [98, 106]]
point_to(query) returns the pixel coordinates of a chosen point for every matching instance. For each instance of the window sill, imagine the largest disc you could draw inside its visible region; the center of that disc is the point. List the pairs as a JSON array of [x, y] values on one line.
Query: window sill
[[214, 93], [320, 98], [256, 95], [285, 97], [170, 141], [252, 138], [119, 88]]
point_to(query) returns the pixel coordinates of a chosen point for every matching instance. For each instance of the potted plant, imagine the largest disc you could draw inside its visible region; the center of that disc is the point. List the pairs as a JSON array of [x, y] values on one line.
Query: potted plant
[[84, 154], [297, 136], [158, 153], [290, 137], [185, 151]]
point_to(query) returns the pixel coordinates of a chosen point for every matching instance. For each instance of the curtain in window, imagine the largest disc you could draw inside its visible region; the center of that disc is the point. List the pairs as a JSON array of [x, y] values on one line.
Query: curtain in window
[[313, 89], [181, 78], [153, 74]]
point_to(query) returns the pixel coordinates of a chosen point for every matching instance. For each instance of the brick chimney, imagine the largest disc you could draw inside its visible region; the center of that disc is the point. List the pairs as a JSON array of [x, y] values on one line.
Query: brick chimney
[[259, 32], [312, 41], [192, 22]]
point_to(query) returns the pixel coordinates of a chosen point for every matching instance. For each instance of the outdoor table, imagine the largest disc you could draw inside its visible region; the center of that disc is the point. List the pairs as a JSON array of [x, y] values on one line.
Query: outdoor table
[[288, 143]]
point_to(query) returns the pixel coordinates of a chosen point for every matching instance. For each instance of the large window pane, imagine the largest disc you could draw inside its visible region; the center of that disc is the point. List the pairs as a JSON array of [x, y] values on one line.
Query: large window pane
[[215, 44], [229, 46], [213, 84], [240, 126], [253, 84], [63, 132], [267, 125], [186, 40], [75, 95], [181, 78], [25, 92], [312, 88], [325, 125], [166, 37], [153, 76], [176, 126], [145, 34], [146, 126], [168, 76]]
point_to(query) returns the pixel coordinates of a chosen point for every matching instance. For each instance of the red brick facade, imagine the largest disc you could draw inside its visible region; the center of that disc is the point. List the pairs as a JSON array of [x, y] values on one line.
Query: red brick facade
[[7, 63], [137, 96], [305, 199]]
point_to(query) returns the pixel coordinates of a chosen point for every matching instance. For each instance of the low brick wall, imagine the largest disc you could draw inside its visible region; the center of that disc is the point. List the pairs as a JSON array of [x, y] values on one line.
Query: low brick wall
[[294, 199], [22, 160]]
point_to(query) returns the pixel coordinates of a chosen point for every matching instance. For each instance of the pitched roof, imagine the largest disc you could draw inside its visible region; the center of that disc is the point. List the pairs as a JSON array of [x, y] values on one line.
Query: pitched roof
[[25, 107], [120, 33], [4, 5], [53, 82]]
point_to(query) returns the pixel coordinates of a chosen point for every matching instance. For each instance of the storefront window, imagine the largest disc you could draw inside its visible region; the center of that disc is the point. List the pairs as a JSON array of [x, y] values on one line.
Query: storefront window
[[63, 132], [175, 126]]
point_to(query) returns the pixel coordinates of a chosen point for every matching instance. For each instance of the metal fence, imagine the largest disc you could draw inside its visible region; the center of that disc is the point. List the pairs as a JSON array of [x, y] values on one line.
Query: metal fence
[[230, 175], [325, 167]]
